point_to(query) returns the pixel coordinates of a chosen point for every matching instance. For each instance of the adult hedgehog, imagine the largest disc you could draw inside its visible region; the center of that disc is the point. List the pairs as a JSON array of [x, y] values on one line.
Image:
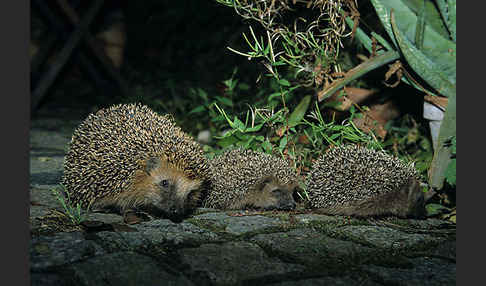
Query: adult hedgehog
[[128, 157], [246, 179], [357, 181]]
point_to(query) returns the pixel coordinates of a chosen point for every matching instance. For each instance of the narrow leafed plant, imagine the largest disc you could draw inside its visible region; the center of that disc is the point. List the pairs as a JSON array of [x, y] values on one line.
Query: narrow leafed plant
[[73, 211], [308, 44]]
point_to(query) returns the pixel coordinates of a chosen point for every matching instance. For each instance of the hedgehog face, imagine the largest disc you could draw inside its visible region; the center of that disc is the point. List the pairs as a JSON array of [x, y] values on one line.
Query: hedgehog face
[[270, 194], [165, 190]]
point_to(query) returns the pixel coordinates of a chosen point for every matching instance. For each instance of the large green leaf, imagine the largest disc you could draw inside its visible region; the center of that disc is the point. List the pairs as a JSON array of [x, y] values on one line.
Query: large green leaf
[[429, 70], [432, 16], [437, 48], [451, 23], [447, 10]]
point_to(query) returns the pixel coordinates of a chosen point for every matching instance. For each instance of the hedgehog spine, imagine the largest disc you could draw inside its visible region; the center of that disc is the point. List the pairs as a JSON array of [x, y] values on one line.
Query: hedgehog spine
[[128, 156], [249, 179], [353, 180]]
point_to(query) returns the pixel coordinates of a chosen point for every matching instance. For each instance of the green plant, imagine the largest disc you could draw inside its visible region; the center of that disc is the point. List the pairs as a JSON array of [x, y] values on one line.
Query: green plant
[[297, 58], [298, 138], [73, 212], [331, 133], [424, 37], [247, 133], [283, 131]]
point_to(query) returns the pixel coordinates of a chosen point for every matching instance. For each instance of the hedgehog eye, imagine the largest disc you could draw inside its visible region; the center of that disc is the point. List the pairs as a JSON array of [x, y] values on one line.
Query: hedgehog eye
[[164, 183]]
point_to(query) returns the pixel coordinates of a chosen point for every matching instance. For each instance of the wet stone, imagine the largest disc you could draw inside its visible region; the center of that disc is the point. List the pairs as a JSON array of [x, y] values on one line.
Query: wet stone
[[215, 216], [385, 238], [163, 231], [214, 219], [312, 248], [238, 225], [46, 170], [307, 218], [104, 217], [330, 281], [426, 271], [245, 224], [46, 143], [44, 197], [47, 279], [446, 249], [60, 249], [125, 268], [234, 263], [430, 223]]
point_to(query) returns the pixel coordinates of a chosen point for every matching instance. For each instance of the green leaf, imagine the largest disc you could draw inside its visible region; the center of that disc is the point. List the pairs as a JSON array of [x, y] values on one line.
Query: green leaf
[[383, 13], [299, 111], [224, 100], [267, 146], [259, 138], [453, 145], [451, 23], [358, 71], [273, 95], [435, 209], [447, 10], [218, 118], [278, 63], [426, 67], [442, 153], [227, 141], [202, 94], [198, 109], [238, 124], [382, 41], [450, 173], [255, 128], [432, 15], [243, 86], [284, 82], [420, 27], [283, 143], [437, 47]]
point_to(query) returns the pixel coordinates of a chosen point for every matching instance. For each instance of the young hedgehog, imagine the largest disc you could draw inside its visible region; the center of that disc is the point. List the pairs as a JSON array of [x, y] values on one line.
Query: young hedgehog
[[245, 179], [127, 157], [361, 182]]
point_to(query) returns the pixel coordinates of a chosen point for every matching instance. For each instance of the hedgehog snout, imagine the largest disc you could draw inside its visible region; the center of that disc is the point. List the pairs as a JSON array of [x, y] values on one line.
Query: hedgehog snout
[[174, 211], [276, 196], [289, 205], [285, 198]]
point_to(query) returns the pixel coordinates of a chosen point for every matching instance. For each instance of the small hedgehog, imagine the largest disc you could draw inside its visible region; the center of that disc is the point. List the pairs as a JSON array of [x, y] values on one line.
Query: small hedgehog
[[246, 179], [357, 181], [127, 157]]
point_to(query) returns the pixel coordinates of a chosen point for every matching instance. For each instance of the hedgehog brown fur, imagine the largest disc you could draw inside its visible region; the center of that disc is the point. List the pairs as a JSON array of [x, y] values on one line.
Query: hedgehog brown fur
[[128, 157], [246, 179], [353, 180]]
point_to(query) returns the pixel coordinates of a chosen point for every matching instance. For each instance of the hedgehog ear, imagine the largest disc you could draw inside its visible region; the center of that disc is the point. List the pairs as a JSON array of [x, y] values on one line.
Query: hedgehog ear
[[151, 164], [263, 182]]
